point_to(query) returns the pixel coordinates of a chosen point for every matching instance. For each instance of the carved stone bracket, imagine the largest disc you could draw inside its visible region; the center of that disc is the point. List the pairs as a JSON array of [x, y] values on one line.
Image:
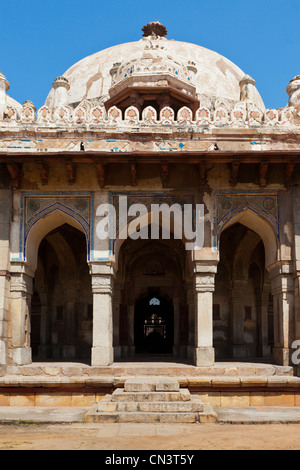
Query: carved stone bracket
[[133, 171], [203, 173], [71, 172], [100, 168], [263, 171], [234, 173], [15, 173], [289, 170], [164, 173], [44, 172]]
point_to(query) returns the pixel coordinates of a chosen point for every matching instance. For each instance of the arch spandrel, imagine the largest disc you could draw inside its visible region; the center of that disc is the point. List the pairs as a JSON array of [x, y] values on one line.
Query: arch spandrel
[[37, 214]]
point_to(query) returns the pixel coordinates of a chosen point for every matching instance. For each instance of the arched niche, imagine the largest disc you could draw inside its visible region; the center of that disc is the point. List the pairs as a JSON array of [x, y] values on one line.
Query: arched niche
[[146, 221], [260, 226], [41, 228]]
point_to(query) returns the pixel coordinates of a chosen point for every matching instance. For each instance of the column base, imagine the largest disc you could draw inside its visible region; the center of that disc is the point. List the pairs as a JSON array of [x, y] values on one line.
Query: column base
[[21, 356], [282, 356], [102, 356], [204, 357]]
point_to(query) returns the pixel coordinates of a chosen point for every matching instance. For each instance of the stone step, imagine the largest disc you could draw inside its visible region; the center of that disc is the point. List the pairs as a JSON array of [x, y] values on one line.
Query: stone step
[[121, 395], [195, 406], [151, 384], [139, 417], [138, 369]]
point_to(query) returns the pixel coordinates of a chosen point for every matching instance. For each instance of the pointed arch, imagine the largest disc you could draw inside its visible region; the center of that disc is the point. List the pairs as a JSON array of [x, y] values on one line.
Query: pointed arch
[[41, 228], [260, 226], [144, 221]]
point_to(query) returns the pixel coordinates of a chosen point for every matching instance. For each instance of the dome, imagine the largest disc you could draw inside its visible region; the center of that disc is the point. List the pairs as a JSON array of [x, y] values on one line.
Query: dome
[[207, 75], [13, 103]]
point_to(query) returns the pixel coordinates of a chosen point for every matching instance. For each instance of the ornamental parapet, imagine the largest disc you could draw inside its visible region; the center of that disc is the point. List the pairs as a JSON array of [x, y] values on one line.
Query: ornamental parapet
[[89, 115]]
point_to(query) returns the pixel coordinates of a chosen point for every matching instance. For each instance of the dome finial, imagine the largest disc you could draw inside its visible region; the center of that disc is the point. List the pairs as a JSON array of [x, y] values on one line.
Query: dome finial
[[155, 28]]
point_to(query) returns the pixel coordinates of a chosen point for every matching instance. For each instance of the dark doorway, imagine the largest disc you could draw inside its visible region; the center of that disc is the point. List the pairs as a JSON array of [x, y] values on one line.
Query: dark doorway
[[61, 312], [154, 326]]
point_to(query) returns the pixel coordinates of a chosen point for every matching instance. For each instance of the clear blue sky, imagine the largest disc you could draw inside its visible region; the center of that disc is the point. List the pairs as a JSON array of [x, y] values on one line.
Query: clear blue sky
[[40, 40]]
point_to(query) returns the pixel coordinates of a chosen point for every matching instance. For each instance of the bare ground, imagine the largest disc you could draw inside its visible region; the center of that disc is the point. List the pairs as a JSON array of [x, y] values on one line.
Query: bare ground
[[149, 437]]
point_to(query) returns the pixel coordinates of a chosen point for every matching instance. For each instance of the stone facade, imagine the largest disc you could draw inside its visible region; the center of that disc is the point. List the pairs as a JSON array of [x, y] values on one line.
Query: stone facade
[[149, 121]]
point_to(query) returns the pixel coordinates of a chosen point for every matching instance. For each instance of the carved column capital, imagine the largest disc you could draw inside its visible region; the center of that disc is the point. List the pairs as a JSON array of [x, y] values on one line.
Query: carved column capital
[[282, 278], [204, 276], [102, 284], [21, 282], [102, 278], [204, 282]]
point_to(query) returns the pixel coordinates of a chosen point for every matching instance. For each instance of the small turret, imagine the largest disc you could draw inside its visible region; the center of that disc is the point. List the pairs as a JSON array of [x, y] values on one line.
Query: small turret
[[61, 87], [293, 90], [4, 87], [247, 86]]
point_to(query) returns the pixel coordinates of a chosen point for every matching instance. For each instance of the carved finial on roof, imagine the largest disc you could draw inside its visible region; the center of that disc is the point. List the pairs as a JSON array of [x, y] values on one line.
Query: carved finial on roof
[[155, 28]]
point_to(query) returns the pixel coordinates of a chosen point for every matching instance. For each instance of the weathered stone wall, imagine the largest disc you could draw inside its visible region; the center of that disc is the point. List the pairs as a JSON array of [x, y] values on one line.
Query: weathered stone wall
[[5, 218]]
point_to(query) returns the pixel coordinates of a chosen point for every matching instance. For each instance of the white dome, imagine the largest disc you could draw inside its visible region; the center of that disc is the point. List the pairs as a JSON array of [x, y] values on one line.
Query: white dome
[[13, 103], [215, 76]]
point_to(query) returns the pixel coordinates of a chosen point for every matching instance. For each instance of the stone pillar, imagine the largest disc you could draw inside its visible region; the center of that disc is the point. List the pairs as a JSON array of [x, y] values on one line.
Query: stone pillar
[[102, 287], [191, 336], [5, 220], [116, 321], [296, 242], [4, 87], [204, 286], [130, 329], [4, 316], [69, 346], [136, 100], [20, 293], [164, 100], [238, 347], [282, 285], [262, 304], [46, 329], [61, 87], [176, 347]]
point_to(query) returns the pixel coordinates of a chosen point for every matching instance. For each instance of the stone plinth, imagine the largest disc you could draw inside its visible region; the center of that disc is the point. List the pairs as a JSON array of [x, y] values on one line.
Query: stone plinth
[[151, 400]]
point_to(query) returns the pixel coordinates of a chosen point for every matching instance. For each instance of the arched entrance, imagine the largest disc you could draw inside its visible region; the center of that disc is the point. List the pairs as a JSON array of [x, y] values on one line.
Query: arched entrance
[[151, 310], [154, 325], [62, 304], [243, 303]]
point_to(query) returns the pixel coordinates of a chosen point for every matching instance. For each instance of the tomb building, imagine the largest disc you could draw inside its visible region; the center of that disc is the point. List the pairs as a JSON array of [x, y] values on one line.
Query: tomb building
[[156, 122]]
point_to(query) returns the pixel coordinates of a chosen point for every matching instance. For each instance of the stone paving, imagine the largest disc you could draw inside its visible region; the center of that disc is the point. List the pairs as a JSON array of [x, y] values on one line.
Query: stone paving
[[258, 415]]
